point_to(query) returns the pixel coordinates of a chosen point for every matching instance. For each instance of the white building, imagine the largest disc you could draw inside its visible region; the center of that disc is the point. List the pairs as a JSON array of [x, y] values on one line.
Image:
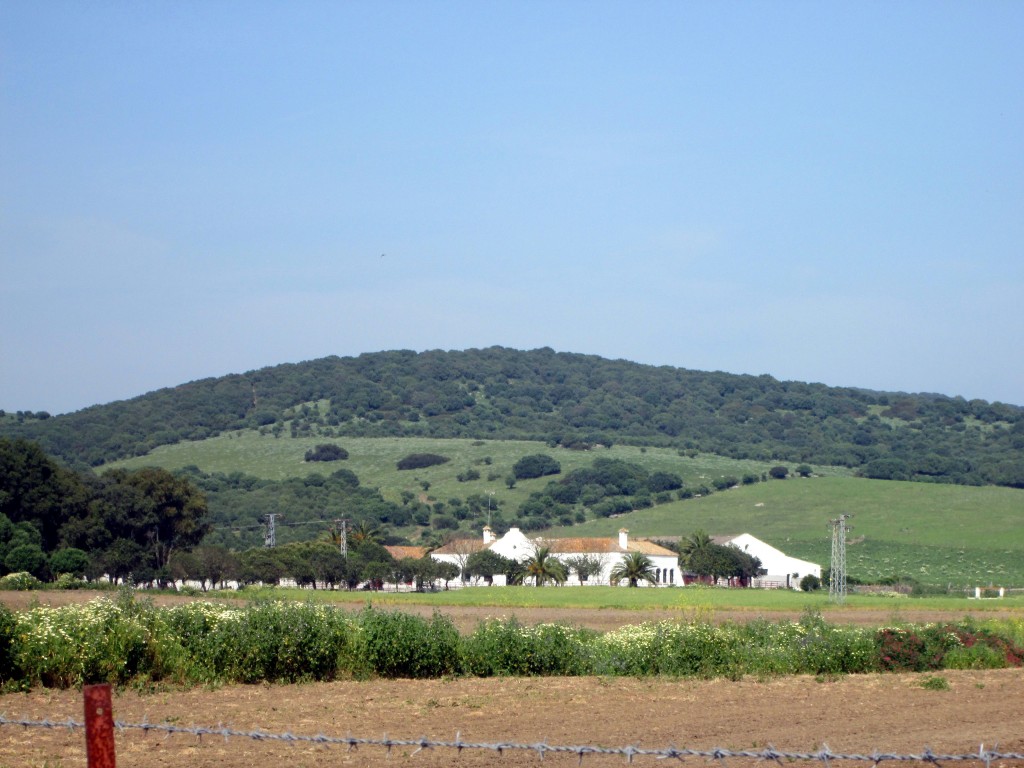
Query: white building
[[779, 569], [609, 552]]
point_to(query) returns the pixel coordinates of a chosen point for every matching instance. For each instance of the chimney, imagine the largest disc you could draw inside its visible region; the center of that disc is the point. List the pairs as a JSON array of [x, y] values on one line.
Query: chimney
[[623, 538], [488, 535]]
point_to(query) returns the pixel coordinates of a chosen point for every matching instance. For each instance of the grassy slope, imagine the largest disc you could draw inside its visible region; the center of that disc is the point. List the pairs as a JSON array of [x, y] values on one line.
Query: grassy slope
[[935, 533], [374, 459]]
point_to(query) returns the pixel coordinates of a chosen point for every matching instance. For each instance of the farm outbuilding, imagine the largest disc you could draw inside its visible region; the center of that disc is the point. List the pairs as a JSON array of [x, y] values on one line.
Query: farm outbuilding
[[779, 569]]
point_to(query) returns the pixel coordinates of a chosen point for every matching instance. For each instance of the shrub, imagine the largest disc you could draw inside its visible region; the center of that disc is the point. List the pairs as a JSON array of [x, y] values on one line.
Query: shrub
[[810, 583], [401, 645], [421, 460], [778, 473], [535, 465], [327, 452], [20, 581], [935, 683], [9, 670], [505, 647]]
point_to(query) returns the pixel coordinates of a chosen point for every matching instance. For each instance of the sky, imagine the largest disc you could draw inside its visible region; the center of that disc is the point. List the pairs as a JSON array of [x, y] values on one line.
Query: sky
[[823, 192]]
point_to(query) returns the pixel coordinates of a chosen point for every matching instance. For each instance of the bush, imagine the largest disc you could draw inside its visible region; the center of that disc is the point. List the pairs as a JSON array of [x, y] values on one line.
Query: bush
[[535, 465], [9, 670], [778, 473], [421, 460], [20, 582], [505, 647], [810, 583], [402, 645], [327, 452]]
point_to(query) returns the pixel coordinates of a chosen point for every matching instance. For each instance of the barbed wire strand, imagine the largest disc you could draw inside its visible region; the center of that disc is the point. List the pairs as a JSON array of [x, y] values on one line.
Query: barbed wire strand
[[542, 748]]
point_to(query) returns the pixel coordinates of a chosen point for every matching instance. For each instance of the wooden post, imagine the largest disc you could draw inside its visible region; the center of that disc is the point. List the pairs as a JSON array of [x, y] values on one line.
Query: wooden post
[[99, 726]]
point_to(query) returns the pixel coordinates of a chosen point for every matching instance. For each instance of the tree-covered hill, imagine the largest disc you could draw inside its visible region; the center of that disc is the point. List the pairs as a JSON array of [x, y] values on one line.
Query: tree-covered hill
[[568, 399]]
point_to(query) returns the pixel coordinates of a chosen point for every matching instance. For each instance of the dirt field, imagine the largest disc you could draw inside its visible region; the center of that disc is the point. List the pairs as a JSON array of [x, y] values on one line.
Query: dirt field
[[857, 714], [860, 714]]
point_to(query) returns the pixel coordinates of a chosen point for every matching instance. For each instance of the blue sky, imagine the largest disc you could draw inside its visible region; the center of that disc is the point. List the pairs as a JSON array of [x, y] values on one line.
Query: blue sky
[[829, 192]]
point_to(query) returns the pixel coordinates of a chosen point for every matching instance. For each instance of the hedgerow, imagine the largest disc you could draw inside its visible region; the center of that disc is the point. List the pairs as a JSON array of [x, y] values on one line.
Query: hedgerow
[[126, 641]]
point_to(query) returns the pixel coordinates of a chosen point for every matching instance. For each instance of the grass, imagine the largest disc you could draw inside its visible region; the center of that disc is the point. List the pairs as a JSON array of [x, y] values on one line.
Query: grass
[[690, 601], [936, 534], [374, 459], [942, 535]]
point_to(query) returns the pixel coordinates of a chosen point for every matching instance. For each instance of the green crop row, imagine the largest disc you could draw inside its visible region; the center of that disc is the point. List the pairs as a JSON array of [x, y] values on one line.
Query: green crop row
[[128, 641]]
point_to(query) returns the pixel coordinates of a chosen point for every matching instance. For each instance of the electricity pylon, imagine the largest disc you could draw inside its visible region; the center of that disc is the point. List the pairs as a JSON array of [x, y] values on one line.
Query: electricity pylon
[[837, 577]]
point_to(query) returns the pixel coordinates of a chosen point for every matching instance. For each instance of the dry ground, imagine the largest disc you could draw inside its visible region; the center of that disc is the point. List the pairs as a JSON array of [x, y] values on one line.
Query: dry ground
[[860, 714]]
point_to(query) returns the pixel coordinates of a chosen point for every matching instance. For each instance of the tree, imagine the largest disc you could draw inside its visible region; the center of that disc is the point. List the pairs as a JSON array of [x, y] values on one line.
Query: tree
[[214, 564], [363, 532], [446, 572], [261, 565], [634, 568], [585, 566], [778, 472], [29, 558], [147, 515], [693, 544], [718, 561], [486, 564], [543, 567], [69, 560]]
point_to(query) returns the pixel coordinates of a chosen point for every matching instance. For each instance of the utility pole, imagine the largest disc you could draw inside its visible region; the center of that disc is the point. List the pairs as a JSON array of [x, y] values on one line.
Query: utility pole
[[837, 578], [342, 528], [270, 538]]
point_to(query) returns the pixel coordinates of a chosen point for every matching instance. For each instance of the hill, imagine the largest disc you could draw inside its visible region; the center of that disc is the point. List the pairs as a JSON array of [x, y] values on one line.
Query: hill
[[937, 534], [563, 399]]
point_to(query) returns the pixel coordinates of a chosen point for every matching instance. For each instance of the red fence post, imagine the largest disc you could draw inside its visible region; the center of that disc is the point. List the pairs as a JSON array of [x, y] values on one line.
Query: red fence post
[[99, 726]]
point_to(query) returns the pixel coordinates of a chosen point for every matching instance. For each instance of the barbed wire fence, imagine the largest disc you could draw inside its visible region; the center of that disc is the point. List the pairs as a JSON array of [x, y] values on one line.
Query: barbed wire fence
[[541, 749]]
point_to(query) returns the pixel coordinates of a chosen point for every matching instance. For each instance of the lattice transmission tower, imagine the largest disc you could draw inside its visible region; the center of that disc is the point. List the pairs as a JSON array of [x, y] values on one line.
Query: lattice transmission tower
[[270, 538], [837, 576]]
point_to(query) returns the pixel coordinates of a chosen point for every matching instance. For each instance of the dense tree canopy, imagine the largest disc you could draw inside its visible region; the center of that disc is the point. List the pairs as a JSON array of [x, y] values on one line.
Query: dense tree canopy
[[129, 524], [565, 399]]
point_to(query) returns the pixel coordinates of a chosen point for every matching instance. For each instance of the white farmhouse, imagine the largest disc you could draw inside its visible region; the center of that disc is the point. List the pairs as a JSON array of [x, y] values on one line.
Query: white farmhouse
[[778, 568], [609, 552]]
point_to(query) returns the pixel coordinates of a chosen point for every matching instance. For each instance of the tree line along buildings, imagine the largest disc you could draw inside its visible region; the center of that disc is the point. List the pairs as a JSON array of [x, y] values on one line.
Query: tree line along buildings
[[778, 570]]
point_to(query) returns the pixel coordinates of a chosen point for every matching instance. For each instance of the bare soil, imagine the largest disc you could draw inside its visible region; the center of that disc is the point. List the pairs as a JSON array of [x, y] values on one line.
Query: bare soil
[[856, 714]]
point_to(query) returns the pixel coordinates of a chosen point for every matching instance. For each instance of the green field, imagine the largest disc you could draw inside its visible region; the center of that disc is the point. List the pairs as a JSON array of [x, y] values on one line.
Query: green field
[[691, 602], [944, 535]]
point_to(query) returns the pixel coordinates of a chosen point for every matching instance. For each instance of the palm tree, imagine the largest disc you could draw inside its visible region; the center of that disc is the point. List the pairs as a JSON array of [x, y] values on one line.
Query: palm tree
[[363, 532], [543, 567], [696, 542], [635, 567]]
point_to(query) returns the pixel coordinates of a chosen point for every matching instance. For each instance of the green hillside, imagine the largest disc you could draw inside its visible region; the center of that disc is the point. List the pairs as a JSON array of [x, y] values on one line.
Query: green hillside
[[374, 461], [568, 399], [936, 534]]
